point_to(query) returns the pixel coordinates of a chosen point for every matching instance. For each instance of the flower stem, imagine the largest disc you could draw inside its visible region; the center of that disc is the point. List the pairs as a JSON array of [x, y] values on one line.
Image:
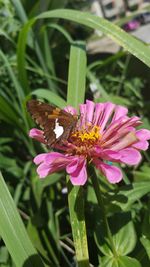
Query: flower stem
[[76, 209], [75, 95], [100, 201]]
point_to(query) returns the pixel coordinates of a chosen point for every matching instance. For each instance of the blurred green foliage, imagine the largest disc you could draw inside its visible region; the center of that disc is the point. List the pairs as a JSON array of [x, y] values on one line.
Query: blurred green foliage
[[42, 204]]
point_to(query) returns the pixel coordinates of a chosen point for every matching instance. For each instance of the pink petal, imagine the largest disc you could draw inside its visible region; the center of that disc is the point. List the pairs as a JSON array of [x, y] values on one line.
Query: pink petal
[[141, 145], [119, 112], [130, 156], [98, 113], [77, 171], [90, 105], [110, 155], [143, 134], [39, 158], [107, 154], [126, 141], [108, 109], [113, 127], [83, 114], [37, 134], [43, 170], [135, 121], [71, 110], [120, 126], [71, 168], [51, 162], [112, 173], [53, 157]]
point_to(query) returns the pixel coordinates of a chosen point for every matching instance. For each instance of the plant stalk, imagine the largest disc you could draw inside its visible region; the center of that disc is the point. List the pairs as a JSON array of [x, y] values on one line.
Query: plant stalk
[[77, 220], [100, 201]]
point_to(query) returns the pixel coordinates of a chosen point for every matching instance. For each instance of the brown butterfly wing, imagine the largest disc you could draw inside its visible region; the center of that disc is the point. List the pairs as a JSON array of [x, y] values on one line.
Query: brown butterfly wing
[[39, 111], [45, 116]]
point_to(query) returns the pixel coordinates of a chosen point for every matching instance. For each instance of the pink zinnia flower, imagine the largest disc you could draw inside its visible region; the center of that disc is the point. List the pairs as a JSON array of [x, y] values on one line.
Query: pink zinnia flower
[[103, 133]]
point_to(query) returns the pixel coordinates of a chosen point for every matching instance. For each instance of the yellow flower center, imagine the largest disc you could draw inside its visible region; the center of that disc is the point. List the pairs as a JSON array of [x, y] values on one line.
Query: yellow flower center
[[87, 136]]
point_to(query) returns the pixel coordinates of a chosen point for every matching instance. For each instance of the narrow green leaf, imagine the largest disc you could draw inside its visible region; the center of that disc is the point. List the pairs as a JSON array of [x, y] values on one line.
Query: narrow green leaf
[[93, 79], [62, 31], [127, 195], [13, 232], [146, 244], [75, 95], [21, 59], [3, 255], [17, 86], [9, 113], [77, 219], [4, 33], [21, 46], [77, 74], [35, 237], [130, 43], [58, 4], [20, 10], [48, 53], [98, 64], [50, 97]]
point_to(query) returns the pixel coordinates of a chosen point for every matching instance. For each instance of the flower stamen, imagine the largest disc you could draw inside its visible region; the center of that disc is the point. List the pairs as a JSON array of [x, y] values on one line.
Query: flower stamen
[[86, 136]]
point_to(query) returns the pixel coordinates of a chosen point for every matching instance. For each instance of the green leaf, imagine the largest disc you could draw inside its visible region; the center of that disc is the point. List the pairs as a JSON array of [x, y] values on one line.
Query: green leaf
[[77, 219], [119, 100], [47, 52], [130, 43], [62, 31], [13, 232], [10, 165], [146, 244], [127, 195], [38, 185], [3, 33], [17, 86], [143, 173], [75, 95], [21, 45], [50, 97], [20, 10], [8, 112], [3, 255], [77, 74], [35, 237], [93, 79], [121, 261], [124, 236]]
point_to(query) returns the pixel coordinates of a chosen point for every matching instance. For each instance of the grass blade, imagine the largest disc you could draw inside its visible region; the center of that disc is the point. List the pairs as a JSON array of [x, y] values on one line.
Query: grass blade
[[17, 86], [50, 96], [20, 10], [13, 232], [75, 95], [130, 43], [127, 41], [77, 74]]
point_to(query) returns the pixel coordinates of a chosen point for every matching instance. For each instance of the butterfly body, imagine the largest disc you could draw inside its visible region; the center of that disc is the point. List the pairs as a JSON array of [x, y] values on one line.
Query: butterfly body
[[57, 124]]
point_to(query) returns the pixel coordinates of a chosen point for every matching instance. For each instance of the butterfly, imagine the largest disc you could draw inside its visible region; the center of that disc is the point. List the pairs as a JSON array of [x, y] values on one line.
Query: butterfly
[[56, 123]]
